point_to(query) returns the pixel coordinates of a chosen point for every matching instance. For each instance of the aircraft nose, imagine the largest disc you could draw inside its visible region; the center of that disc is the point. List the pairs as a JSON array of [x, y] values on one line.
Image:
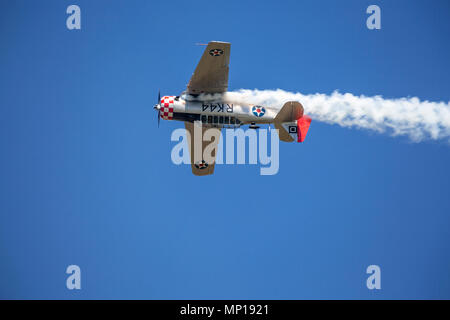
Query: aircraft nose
[[159, 104]]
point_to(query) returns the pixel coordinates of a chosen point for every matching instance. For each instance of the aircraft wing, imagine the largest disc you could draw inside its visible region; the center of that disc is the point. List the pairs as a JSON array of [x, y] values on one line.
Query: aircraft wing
[[200, 166], [211, 74]]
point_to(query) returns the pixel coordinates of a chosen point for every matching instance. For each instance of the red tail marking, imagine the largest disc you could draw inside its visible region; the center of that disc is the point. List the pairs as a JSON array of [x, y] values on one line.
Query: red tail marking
[[303, 124]]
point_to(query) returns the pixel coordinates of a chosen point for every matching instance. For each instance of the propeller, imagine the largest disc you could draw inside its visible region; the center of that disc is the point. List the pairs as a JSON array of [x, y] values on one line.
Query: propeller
[[158, 107]]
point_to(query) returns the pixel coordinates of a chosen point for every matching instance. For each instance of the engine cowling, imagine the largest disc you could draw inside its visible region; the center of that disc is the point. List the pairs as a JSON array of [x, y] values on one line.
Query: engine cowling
[[166, 107]]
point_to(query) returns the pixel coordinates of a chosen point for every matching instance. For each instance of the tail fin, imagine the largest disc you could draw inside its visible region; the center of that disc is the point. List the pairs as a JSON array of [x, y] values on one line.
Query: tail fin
[[291, 123]]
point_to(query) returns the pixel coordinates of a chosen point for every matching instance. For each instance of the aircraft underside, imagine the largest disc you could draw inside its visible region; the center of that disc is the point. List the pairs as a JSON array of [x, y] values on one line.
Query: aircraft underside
[[209, 120]]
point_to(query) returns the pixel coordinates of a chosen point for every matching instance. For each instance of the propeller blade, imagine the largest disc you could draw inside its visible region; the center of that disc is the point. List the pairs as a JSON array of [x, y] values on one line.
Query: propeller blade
[[159, 109]]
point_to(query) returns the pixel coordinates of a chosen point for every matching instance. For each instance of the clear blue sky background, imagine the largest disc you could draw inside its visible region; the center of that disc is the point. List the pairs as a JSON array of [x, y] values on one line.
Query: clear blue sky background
[[86, 176]]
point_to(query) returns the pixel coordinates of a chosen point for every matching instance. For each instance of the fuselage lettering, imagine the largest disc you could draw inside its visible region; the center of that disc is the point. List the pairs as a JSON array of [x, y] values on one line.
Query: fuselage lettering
[[217, 107]]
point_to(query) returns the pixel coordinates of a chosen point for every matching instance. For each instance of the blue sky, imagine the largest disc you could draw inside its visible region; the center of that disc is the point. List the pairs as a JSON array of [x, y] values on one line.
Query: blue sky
[[87, 179]]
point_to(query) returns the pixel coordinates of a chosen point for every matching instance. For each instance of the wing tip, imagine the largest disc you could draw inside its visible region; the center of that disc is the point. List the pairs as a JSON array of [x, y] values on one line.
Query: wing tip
[[222, 42]]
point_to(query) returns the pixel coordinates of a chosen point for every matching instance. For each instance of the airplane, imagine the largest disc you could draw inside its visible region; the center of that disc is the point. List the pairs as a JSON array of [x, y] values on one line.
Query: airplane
[[205, 103]]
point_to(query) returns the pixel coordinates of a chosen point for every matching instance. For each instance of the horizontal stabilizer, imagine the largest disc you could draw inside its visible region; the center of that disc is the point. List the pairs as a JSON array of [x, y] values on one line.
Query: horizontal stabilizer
[[291, 111], [283, 134]]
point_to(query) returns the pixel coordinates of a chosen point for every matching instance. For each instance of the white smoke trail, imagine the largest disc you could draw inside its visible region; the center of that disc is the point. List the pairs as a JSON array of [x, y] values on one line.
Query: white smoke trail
[[418, 120]]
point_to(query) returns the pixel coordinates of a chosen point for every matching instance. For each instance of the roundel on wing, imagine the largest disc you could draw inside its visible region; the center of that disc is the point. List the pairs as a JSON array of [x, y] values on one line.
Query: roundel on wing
[[258, 111], [201, 165], [216, 52]]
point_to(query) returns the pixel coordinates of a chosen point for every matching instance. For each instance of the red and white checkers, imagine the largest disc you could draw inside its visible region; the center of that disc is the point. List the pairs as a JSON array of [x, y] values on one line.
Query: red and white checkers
[[167, 107]]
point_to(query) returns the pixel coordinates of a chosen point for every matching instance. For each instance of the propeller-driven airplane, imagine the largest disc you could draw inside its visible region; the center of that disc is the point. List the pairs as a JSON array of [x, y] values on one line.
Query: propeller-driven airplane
[[205, 102]]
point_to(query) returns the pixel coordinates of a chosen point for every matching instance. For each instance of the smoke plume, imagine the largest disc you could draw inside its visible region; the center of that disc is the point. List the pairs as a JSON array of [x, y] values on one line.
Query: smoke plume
[[418, 120]]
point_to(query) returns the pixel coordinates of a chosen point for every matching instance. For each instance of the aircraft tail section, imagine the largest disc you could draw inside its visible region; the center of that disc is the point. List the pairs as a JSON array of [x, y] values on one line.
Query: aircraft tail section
[[291, 123]]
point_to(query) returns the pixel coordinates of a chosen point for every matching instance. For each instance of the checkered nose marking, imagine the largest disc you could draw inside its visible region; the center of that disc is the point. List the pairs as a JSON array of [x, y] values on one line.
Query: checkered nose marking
[[167, 107]]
